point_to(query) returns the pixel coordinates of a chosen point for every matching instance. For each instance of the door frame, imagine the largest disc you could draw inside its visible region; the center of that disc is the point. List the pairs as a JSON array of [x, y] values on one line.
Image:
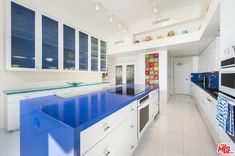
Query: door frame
[[124, 71]]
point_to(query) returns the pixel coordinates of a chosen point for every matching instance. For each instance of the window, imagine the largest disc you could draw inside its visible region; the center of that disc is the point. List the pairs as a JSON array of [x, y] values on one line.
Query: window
[[49, 43], [94, 54], [83, 51], [22, 37], [103, 56], [69, 48]]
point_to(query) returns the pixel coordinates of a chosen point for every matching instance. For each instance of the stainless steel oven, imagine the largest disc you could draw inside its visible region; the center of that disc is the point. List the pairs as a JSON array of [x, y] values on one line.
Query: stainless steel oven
[[227, 73], [143, 115]]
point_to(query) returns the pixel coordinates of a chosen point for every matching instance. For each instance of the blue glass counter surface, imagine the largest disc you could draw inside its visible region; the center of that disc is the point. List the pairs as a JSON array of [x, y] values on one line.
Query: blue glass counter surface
[[51, 125], [83, 111]]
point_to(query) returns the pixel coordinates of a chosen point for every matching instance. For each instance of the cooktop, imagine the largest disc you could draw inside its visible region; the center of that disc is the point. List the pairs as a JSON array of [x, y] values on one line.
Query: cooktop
[[126, 90]]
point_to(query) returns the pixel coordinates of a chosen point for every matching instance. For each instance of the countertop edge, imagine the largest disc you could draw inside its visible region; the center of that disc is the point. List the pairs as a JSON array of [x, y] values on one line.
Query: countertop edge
[[207, 91]]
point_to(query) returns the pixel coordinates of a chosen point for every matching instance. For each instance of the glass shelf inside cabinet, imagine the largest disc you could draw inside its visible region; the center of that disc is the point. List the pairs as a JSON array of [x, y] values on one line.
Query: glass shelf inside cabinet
[[49, 43], [69, 48], [22, 37], [94, 54], [83, 51], [102, 56]]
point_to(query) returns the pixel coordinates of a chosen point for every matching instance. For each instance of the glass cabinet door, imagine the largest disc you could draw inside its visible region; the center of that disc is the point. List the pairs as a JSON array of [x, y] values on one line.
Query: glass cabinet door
[[94, 54], [83, 51], [103, 56], [22, 37], [49, 43], [69, 48]]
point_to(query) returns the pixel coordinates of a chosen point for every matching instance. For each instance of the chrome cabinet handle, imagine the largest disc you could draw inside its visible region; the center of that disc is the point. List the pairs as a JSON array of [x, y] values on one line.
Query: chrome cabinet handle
[[132, 126], [132, 109], [106, 128], [208, 99], [107, 153], [132, 146]]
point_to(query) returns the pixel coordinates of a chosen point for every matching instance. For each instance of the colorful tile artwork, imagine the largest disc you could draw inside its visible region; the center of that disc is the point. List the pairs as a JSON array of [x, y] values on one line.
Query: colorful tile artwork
[[151, 69]]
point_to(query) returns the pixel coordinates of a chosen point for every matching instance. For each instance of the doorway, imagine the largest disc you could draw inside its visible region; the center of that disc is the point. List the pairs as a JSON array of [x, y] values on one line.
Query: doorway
[[182, 75], [125, 73]]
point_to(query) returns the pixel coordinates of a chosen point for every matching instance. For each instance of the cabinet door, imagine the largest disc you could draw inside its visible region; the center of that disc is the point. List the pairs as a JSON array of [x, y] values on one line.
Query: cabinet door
[[83, 51], [69, 48], [121, 142], [94, 54], [22, 37], [49, 43], [103, 56]]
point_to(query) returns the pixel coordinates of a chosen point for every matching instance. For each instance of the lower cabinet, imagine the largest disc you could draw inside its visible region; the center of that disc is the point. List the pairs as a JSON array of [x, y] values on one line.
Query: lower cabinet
[[154, 104], [207, 107], [121, 142]]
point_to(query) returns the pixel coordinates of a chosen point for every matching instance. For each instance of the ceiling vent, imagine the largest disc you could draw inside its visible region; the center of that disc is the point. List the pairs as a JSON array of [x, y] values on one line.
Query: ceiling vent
[[119, 42], [160, 21]]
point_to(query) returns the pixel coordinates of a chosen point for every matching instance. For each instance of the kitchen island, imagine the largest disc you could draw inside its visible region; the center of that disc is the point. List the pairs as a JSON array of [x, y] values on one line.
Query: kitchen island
[[101, 122]]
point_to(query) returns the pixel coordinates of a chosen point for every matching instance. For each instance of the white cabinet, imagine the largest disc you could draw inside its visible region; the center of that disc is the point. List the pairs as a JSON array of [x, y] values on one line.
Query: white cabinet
[[209, 59], [29, 48], [154, 104], [207, 107], [95, 133], [121, 142]]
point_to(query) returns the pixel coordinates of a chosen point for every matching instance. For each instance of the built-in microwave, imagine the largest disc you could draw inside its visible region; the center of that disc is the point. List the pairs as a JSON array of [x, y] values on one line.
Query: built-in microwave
[[227, 81]]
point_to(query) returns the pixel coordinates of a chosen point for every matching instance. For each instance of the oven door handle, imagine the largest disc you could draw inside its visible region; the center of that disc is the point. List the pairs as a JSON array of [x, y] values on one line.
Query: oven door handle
[[142, 105]]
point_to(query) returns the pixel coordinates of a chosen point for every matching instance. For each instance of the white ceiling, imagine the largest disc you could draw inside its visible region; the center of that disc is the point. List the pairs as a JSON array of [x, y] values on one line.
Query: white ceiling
[[128, 11]]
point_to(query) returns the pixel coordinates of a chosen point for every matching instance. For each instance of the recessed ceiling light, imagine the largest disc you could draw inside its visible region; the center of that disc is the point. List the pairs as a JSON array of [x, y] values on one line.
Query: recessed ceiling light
[[111, 18], [119, 25], [97, 6], [155, 10]]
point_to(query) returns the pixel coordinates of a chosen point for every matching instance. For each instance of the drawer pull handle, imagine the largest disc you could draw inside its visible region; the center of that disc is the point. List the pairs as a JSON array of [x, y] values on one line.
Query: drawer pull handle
[[132, 126], [108, 127], [107, 153], [132, 109], [132, 146]]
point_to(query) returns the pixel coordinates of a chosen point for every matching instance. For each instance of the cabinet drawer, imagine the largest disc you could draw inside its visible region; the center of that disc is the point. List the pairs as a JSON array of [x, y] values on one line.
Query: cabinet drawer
[[121, 142], [95, 133]]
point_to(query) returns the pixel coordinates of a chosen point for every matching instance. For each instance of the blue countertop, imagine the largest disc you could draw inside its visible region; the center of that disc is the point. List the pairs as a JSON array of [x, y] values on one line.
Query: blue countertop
[[82, 111]]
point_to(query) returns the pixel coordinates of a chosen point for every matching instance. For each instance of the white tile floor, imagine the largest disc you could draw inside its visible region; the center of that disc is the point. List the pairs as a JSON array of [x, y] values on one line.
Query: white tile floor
[[179, 131]]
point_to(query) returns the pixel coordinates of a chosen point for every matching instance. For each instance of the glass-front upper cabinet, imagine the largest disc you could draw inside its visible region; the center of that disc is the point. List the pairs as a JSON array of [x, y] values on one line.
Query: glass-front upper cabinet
[[83, 51], [22, 37], [49, 43], [94, 54], [69, 48], [103, 56]]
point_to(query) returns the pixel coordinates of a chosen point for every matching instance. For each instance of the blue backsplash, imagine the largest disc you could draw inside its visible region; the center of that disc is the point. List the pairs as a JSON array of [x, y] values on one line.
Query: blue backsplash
[[211, 79]]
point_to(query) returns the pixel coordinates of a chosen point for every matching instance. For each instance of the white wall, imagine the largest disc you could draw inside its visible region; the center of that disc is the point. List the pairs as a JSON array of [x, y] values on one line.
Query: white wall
[[13, 80], [139, 58], [209, 59]]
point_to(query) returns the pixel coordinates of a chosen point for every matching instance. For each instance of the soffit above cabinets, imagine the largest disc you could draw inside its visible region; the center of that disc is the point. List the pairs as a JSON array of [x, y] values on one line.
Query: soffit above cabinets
[[83, 12]]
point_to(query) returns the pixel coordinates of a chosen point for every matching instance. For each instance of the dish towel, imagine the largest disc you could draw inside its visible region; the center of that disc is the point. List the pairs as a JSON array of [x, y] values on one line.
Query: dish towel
[[230, 120], [222, 112], [225, 115]]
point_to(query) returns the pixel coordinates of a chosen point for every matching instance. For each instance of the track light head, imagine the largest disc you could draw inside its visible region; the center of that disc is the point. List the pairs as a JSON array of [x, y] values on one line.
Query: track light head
[[97, 6]]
